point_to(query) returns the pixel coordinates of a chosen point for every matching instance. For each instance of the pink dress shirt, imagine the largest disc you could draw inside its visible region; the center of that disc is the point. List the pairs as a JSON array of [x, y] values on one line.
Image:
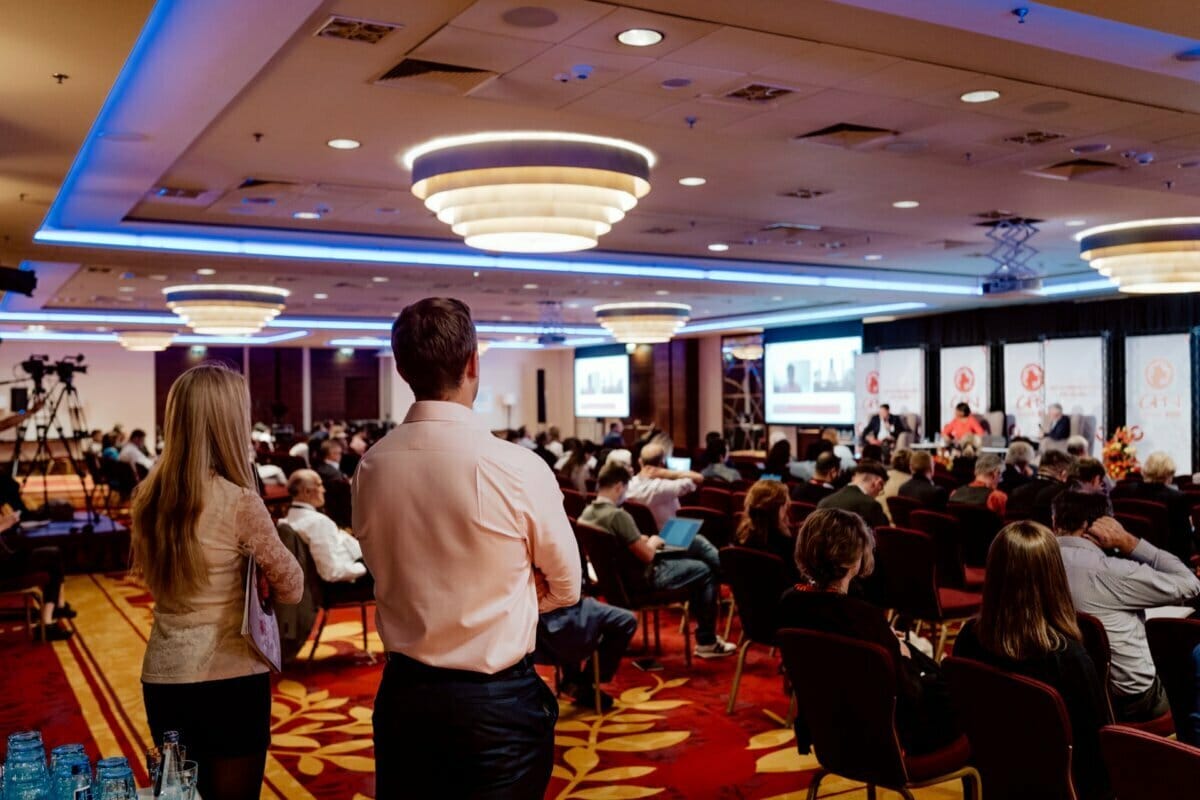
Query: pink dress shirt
[[453, 524], [959, 427]]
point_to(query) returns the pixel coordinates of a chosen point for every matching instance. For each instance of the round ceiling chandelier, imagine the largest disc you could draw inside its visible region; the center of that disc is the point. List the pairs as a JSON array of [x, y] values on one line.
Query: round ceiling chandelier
[[1151, 256], [145, 341], [747, 352], [643, 323], [226, 309], [530, 192]]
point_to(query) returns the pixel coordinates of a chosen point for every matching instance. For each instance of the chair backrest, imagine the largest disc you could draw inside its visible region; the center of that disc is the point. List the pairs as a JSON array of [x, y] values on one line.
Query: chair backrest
[[997, 425], [913, 421], [948, 537], [846, 695], [737, 502], [573, 502], [716, 528], [1156, 513], [121, 475], [1173, 644], [742, 485], [901, 508], [758, 580], [1095, 642], [1140, 527], [1018, 728], [312, 579], [946, 481], [288, 463], [905, 561], [1084, 425], [337, 503], [800, 510], [1143, 766], [607, 557], [712, 497], [643, 517], [979, 526]]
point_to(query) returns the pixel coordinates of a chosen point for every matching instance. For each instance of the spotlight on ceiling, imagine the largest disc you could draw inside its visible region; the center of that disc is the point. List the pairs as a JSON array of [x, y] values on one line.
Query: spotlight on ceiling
[[905, 204], [980, 96], [692, 181], [640, 37], [718, 247], [306, 215], [344, 144]]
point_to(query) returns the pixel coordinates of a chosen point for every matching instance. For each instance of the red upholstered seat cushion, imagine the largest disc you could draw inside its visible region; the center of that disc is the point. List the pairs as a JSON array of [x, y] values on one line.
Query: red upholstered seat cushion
[[1162, 726], [957, 603], [974, 577], [930, 765]]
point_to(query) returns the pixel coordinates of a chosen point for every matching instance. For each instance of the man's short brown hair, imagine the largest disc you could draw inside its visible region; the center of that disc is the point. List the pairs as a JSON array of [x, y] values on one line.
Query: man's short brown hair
[[433, 340]]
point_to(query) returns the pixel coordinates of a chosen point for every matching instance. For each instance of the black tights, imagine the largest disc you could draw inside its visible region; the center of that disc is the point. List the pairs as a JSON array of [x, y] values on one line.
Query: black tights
[[231, 777]]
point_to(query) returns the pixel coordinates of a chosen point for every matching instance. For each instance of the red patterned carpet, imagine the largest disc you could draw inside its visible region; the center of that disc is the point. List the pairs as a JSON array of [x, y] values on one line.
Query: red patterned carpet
[[668, 737]]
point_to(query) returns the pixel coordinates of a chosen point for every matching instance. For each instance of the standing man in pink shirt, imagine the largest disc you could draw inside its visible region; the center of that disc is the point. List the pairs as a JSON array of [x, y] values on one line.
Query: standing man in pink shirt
[[468, 541]]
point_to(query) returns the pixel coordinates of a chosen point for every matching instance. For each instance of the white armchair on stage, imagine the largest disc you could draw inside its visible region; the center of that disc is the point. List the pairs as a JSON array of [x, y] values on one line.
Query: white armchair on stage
[[913, 434], [1081, 425]]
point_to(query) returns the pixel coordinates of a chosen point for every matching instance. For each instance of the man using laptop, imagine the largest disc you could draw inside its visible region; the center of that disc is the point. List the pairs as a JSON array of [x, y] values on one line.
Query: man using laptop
[[695, 568]]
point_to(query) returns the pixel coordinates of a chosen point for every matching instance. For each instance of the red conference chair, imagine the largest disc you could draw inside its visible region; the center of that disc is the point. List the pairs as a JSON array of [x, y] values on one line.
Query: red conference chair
[[758, 580], [1019, 731], [948, 538], [907, 565], [738, 501], [573, 502], [946, 481], [980, 526], [1156, 513], [742, 485], [799, 512], [901, 508], [716, 528], [1095, 641], [643, 517], [1147, 767], [846, 693], [1172, 642], [714, 498], [1139, 526]]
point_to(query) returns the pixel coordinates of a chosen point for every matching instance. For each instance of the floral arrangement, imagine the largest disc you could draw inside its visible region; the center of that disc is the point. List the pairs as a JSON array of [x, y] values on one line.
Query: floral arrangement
[[1120, 453]]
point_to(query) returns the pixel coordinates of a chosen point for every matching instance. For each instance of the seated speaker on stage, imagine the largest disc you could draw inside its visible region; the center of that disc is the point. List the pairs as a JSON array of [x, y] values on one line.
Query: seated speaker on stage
[[337, 554], [963, 424], [883, 428], [1057, 427]]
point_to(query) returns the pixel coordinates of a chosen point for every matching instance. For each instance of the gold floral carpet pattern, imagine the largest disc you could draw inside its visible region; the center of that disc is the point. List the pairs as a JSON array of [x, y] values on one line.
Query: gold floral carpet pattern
[[668, 735]]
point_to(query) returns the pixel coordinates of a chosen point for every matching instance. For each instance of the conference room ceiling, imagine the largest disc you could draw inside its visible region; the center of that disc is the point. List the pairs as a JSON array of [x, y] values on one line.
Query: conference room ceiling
[[1072, 87]]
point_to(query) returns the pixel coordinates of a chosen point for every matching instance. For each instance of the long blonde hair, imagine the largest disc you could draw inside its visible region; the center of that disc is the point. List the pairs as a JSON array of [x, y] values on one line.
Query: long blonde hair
[[206, 431]]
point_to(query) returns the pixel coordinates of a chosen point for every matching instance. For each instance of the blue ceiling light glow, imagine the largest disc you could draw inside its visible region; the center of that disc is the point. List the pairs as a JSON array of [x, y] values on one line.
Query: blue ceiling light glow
[[794, 317], [95, 317], [61, 336], [1079, 287], [367, 341]]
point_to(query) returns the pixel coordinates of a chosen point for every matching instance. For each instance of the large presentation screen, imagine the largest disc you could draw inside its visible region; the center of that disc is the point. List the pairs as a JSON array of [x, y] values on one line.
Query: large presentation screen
[[811, 382], [602, 386]]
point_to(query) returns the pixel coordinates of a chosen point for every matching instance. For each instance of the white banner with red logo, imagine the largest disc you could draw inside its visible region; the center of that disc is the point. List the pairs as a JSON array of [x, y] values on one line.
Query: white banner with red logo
[[1025, 387], [1075, 380], [1158, 395], [902, 381], [965, 379], [866, 389]]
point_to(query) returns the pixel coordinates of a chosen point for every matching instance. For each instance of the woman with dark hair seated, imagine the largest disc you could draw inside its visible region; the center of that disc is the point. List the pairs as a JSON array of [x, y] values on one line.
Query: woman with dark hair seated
[[765, 525], [779, 458], [1027, 625], [832, 549]]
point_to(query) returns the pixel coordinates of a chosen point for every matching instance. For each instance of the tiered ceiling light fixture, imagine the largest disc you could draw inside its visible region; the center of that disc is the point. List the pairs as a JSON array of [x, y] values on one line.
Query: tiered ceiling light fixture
[[643, 323], [145, 341], [226, 309], [747, 352], [1150, 256], [530, 192]]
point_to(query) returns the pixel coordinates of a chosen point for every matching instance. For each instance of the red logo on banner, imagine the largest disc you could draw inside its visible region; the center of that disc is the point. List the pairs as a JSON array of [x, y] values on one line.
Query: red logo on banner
[[872, 383], [964, 379], [1031, 377], [1160, 373]]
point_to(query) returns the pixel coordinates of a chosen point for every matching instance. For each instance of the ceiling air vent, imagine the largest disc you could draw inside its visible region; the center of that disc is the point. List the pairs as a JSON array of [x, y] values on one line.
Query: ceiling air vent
[[355, 30], [847, 135], [1075, 168], [430, 76], [1034, 137], [758, 93], [948, 244], [177, 192], [804, 194], [659, 230]]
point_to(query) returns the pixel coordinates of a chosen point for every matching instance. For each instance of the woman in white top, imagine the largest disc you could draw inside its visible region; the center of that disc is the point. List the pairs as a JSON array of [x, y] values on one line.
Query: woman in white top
[[197, 520]]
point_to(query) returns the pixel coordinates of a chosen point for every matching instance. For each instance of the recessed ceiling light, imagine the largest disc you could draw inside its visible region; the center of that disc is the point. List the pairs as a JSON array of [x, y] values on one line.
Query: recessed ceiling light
[[320, 296], [101, 329], [379, 279], [905, 204], [531, 286], [306, 215], [344, 144], [1075, 223], [572, 305], [777, 298], [640, 37], [158, 276], [692, 181], [35, 328], [206, 271], [718, 247], [662, 292], [872, 257], [475, 274], [127, 289], [506, 318], [980, 96]]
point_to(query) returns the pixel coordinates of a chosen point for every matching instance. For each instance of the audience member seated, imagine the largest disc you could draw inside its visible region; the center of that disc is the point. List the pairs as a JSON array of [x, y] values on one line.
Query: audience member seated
[[300, 450], [1157, 485], [898, 473], [1088, 475], [1034, 499], [820, 486], [660, 488], [717, 470], [330, 465], [696, 568], [1077, 446], [135, 452], [859, 495], [982, 491], [524, 440], [779, 459], [568, 637], [843, 451], [337, 554], [1117, 590], [615, 438], [20, 558], [1060, 426], [765, 525], [920, 486], [576, 470], [1018, 467], [871, 452], [554, 442], [108, 447], [832, 549], [542, 451], [1027, 625], [805, 470], [963, 425], [883, 428]]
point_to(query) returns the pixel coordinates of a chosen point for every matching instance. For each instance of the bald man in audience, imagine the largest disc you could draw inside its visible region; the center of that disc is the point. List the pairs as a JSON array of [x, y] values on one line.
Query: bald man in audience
[[660, 488], [337, 554]]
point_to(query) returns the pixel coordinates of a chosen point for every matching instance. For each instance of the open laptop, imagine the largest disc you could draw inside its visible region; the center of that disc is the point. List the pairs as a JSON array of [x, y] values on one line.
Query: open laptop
[[678, 532], [680, 464]]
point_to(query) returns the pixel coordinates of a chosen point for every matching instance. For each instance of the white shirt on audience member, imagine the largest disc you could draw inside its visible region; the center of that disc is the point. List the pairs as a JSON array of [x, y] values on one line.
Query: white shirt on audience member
[[337, 554], [131, 454], [661, 495]]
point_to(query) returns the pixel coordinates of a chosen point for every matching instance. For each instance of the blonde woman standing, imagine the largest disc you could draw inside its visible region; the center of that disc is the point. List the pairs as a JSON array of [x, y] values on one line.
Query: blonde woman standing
[[197, 520]]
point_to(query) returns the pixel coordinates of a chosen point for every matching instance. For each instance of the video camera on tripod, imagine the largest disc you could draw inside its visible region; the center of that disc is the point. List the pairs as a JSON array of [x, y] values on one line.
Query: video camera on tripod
[[39, 366]]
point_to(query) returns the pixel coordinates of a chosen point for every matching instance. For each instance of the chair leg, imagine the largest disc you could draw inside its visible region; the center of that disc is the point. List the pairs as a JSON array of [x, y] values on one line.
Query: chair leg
[[596, 680], [645, 631], [943, 629], [870, 791], [792, 710], [320, 629], [657, 632], [906, 794], [737, 675], [813, 787], [729, 619], [29, 615], [687, 637]]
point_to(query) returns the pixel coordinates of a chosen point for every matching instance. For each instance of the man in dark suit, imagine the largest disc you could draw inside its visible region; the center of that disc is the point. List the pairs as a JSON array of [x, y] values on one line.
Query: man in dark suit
[[883, 427], [1034, 499], [1060, 426], [859, 495], [920, 486], [329, 466], [825, 473]]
